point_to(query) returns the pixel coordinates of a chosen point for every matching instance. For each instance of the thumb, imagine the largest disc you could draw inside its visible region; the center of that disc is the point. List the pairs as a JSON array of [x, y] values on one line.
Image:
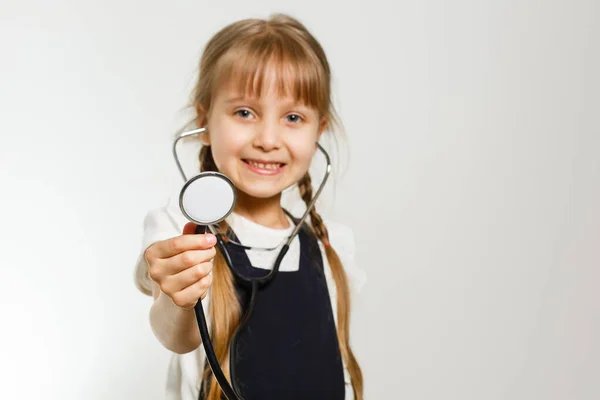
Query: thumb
[[189, 228]]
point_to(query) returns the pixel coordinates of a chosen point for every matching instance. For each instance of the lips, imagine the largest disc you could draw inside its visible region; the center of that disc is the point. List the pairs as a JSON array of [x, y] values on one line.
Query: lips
[[264, 167]]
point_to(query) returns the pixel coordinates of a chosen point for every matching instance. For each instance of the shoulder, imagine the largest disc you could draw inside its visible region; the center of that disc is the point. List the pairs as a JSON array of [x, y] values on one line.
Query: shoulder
[[341, 238]]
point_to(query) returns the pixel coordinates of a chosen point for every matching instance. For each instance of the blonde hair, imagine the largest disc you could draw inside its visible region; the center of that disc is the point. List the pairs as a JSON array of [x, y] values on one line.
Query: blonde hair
[[241, 54]]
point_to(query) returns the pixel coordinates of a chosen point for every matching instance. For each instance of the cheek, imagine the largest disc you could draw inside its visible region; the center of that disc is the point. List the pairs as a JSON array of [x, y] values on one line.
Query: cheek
[[302, 153], [226, 143]]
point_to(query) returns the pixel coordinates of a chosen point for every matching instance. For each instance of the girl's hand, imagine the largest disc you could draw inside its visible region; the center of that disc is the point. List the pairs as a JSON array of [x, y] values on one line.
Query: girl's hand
[[181, 266]]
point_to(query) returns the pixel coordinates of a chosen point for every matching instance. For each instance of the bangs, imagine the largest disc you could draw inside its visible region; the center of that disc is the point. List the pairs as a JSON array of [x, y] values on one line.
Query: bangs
[[269, 62]]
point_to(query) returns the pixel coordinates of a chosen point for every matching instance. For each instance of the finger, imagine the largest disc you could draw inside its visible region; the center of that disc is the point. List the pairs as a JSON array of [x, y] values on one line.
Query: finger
[[187, 277], [187, 259], [156, 270], [188, 297], [189, 228], [179, 244]]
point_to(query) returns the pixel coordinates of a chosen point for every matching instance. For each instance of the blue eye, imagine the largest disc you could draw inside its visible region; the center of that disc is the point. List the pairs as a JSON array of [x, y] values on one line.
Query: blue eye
[[294, 118], [243, 113]]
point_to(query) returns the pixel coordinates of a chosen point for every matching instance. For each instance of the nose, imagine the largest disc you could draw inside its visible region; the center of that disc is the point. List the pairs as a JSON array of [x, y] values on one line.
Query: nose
[[267, 136]]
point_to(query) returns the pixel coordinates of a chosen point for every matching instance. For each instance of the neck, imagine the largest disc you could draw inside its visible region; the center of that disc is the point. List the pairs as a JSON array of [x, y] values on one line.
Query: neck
[[266, 212]]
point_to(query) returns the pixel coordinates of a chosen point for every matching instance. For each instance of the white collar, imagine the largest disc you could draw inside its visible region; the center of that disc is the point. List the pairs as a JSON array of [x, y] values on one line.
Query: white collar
[[253, 234]]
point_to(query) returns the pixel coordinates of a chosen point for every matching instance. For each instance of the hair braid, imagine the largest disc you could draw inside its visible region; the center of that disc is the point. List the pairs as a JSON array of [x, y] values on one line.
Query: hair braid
[[343, 291], [306, 192], [224, 308], [207, 162]]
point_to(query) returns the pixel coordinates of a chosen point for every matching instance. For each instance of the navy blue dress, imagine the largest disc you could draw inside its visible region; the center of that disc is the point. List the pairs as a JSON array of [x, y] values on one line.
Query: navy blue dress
[[288, 349]]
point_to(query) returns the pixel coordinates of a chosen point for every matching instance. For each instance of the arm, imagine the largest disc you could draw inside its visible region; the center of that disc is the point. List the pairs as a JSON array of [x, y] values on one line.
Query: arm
[[175, 327], [173, 267], [180, 269]]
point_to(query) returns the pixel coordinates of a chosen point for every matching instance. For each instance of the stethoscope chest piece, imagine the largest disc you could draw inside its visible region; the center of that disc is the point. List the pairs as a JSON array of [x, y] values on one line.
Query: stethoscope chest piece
[[207, 198]]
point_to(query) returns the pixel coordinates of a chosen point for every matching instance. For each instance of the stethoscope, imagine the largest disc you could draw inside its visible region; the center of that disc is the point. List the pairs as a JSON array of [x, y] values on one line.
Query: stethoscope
[[207, 199]]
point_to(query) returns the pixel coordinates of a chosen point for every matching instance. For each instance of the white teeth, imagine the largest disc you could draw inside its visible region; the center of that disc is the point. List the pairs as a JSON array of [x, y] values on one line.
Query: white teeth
[[264, 166]]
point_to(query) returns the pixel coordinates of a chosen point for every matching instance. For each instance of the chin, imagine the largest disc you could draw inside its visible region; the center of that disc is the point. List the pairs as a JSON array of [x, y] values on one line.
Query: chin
[[259, 194], [261, 190]]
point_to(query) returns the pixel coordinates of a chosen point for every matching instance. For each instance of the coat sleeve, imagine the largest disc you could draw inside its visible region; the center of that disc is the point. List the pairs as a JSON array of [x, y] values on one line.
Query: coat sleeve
[[342, 240], [160, 223]]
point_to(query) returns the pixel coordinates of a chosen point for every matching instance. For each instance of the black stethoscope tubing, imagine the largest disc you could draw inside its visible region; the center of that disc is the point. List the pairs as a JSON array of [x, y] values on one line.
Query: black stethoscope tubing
[[229, 389], [253, 283]]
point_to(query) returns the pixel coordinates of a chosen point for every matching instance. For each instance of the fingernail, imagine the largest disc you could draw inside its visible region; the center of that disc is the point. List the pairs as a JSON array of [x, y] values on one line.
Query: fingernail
[[211, 239]]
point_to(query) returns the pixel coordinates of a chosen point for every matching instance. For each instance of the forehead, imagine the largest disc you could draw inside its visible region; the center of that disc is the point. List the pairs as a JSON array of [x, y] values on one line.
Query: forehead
[[269, 78]]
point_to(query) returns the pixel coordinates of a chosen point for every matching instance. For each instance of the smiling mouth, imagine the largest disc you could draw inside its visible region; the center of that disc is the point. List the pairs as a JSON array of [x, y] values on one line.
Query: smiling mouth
[[262, 164]]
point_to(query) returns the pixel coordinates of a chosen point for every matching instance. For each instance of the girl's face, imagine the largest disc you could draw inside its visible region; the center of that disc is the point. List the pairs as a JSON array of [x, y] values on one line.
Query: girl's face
[[264, 145]]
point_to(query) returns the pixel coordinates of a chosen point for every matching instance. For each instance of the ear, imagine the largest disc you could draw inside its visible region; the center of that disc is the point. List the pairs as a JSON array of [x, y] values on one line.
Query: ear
[[205, 138], [202, 121]]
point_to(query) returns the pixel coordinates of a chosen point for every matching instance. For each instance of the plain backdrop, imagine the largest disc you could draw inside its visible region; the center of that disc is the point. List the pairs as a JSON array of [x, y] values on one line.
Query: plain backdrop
[[470, 177]]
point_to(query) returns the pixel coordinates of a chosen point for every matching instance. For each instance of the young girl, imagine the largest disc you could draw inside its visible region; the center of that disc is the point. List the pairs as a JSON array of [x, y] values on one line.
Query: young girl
[[263, 94]]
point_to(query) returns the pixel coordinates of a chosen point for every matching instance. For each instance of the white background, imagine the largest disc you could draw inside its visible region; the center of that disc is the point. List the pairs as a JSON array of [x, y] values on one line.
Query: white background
[[473, 188]]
